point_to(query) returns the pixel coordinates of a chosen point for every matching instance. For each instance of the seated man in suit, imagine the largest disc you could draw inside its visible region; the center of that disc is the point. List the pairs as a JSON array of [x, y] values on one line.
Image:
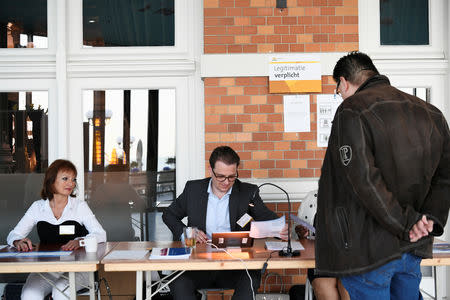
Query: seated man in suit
[[215, 204]]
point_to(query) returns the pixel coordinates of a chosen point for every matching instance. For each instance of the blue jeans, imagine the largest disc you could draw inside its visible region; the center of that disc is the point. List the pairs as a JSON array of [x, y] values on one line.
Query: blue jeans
[[396, 280]]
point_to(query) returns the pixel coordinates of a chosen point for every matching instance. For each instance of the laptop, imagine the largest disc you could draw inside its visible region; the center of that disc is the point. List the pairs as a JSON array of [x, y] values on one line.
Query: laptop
[[240, 239]]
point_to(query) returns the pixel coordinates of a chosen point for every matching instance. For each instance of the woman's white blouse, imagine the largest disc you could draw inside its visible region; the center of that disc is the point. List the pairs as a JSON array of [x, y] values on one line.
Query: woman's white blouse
[[75, 210]]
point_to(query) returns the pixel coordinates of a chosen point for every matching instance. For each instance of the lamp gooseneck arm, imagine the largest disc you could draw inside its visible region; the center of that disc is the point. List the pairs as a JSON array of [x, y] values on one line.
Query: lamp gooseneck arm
[[288, 251]]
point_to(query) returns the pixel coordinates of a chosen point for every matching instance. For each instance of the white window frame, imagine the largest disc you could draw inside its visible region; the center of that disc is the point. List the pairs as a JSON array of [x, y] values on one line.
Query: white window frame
[[189, 120], [436, 83], [182, 48], [369, 33], [56, 124], [36, 54], [66, 68]]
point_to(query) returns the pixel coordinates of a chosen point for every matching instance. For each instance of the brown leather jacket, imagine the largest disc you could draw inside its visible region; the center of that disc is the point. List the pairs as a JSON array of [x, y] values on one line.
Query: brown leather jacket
[[387, 164]]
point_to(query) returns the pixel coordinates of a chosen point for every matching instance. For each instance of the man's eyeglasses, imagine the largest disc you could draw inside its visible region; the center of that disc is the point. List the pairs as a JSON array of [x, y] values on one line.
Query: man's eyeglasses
[[337, 91], [222, 178]]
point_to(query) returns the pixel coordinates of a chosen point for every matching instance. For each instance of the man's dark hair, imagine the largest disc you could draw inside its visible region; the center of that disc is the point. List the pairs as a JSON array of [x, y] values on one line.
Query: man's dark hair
[[356, 67], [225, 154]]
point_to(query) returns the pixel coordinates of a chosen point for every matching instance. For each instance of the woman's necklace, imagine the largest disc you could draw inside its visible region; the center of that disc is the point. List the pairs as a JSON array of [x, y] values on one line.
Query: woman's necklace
[[57, 210]]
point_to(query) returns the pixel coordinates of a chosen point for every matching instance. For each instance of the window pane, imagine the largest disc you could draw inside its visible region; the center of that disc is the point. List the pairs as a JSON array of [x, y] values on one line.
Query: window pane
[[23, 24], [114, 23], [421, 92], [23, 154], [129, 157], [404, 22]]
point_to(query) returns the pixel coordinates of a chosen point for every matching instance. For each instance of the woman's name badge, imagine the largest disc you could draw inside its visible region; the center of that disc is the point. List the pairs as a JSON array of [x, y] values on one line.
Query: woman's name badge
[[244, 220], [66, 229]]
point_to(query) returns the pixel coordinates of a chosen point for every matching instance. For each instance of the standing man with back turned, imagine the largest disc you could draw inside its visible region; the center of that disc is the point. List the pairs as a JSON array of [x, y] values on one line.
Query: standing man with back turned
[[385, 185], [215, 204]]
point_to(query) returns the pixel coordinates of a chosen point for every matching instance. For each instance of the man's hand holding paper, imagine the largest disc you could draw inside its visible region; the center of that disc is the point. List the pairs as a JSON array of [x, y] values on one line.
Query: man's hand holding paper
[[272, 228]]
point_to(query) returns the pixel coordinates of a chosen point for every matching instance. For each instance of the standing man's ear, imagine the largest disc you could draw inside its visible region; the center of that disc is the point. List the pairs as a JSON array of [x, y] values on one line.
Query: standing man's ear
[[343, 86]]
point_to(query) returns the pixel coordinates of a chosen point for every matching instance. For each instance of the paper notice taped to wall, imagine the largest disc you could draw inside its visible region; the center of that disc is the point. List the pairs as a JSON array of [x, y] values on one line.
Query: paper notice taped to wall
[[295, 73]]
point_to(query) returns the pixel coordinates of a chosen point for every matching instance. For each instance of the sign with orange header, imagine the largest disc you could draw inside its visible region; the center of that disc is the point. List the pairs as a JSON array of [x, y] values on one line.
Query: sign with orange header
[[297, 73]]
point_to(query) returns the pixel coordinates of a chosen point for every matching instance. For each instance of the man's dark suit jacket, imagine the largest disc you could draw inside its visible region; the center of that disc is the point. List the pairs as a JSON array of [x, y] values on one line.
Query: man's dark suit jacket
[[193, 202]]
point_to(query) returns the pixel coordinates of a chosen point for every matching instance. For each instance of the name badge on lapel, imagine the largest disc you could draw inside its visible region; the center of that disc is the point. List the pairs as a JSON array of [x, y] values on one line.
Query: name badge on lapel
[[243, 221], [66, 229]]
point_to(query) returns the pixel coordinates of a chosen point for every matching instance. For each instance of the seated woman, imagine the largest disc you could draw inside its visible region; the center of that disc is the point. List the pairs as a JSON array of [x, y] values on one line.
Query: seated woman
[[61, 218]]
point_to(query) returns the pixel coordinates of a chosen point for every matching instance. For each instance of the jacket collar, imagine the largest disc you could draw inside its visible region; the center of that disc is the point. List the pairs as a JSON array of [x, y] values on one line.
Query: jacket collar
[[373, 81], [234, 204]]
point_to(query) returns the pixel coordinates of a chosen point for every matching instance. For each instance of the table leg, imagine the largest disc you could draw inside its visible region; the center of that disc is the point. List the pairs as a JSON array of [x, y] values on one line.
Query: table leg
[[139, 285], [308, 290], [148, 285], [435, 283], [91, 286], [72, 286]]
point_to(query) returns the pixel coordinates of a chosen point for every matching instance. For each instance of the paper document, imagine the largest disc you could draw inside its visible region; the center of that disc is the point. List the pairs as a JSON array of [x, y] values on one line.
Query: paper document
[[441, 248], [299, 221], [170, 253], [264, 229], [36, 254], [274, 245], [296, 113], [126, 254]]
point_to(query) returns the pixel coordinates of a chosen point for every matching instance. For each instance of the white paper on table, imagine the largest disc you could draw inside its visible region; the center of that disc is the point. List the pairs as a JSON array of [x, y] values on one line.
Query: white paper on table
[[275, 245], [264, 229], [8, 254], [296, 113], [43, 253], [126, 254], [3, 246], [441, 248]]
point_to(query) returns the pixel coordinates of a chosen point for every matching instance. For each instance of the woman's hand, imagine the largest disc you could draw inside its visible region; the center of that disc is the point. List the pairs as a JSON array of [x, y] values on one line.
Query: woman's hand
[[302, 231], [71, 245], [23, 245]]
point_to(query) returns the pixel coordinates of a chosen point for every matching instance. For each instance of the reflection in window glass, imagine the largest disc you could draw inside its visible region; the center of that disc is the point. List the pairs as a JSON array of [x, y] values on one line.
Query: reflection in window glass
[[404, 22], [23, 153], [115, 23], [23, 24], [129, 157]]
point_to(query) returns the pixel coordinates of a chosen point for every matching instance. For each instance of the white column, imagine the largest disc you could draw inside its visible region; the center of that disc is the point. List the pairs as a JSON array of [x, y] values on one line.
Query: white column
[[61, 80]]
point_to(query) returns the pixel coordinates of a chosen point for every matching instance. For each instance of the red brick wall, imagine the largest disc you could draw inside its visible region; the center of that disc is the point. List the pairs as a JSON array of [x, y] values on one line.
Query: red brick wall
[[240, 113], [257, 26]]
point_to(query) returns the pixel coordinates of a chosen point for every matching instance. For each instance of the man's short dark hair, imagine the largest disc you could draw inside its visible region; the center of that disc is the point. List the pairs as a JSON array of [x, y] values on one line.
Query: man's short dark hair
[[356, 67], [225, 154]]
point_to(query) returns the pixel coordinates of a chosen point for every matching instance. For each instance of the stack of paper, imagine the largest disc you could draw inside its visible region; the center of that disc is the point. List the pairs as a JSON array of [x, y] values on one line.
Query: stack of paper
[[170, 253], [126, 254], [274, 245], [36, 254], [441, 248], [264, 229]]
